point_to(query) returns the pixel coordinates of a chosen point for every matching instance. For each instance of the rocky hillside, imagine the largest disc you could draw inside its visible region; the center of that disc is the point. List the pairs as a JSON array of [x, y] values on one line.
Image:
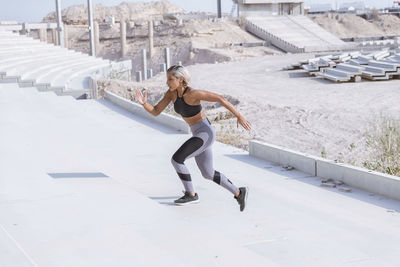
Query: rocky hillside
[[124, 11], [350, 25]]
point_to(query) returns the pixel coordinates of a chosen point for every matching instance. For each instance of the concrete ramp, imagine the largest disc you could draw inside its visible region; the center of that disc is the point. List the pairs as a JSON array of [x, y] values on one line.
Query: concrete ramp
[[85, 183], [296, 34]]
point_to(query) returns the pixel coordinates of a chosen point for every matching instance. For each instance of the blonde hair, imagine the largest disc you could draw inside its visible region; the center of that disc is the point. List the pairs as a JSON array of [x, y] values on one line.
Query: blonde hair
[[180, 71]]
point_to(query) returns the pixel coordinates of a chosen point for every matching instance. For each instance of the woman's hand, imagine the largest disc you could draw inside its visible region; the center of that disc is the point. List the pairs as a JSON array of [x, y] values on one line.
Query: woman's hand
[[245, 124], [141, 98]]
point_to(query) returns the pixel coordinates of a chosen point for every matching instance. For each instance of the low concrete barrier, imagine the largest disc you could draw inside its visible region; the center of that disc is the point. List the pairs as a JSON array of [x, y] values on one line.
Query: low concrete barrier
[[371, 181], [283, 156], [165, 119]]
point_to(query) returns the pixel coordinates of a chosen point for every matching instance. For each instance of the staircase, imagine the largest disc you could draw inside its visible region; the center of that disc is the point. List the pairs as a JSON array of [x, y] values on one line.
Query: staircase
[[32, 63], [295, 34]]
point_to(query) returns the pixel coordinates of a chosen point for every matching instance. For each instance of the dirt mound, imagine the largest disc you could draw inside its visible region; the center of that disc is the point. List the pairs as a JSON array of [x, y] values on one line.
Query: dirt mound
[[347, 25], [389, 24], [124, 11]]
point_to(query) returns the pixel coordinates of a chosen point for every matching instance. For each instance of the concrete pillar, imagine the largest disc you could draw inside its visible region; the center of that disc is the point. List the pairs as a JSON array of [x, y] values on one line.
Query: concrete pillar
[[91, 31], [151, 45], [123, 37], [180, 63], [54, 36], [144, 64], [149, 73], [139, 76], [66, 44], [163, 67], [60, 29], [167, 59], [24, 31], [96, 37], [219, 8], [43, 35]]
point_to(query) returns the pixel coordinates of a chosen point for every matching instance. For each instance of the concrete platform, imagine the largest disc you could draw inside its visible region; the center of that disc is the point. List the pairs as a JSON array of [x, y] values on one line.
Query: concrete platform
[[85, 183]]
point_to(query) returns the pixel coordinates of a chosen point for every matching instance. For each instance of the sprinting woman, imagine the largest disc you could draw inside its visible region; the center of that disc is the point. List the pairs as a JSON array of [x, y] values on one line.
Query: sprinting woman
[[187, 103]]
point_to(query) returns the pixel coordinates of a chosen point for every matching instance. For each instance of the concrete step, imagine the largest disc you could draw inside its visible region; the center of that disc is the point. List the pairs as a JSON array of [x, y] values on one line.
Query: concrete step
[[354, 70], [24, 66], [32, 74], [298, 31], [59, 76]]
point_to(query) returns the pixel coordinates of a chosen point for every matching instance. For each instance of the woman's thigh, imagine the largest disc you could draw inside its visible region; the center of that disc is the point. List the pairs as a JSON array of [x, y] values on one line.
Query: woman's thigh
[[191, 148]]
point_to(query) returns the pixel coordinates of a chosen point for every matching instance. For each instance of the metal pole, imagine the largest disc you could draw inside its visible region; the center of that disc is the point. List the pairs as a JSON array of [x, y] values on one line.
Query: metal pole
[[219, 8], [59, 23], [91, 32]]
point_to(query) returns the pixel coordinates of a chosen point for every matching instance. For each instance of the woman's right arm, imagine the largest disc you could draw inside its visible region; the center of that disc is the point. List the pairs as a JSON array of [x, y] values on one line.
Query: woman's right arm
[[157, 109]]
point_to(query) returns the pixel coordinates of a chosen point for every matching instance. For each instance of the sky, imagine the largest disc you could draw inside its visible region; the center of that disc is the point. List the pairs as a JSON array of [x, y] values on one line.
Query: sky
[[35, 10]]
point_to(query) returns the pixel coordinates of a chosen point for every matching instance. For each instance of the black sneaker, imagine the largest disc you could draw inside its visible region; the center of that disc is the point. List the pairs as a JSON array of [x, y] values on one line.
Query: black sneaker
[[242, 197], [187, 199]]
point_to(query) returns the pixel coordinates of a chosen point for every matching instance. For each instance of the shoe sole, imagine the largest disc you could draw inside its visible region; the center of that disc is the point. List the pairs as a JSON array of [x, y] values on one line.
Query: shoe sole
[[188, 203], [245, 197]]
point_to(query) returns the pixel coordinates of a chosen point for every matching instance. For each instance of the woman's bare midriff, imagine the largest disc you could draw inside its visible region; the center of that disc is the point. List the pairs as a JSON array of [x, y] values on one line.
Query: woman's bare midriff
[[196, 118]]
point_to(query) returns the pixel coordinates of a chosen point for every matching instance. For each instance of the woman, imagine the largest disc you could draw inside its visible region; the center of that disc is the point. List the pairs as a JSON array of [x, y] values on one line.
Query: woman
[[187, 103]]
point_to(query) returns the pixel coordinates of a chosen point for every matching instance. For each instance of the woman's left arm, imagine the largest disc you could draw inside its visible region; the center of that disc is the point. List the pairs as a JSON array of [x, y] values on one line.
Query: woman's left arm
[[213, 97]]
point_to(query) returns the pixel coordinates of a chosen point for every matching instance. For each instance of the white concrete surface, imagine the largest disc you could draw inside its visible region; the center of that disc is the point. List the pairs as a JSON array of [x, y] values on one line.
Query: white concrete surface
[[127, 218]]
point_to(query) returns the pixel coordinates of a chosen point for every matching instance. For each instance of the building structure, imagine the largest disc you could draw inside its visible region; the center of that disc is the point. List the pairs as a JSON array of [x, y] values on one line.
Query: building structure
[[269, 7]]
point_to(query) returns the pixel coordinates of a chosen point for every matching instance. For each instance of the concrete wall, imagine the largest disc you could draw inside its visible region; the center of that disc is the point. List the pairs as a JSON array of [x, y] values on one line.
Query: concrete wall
[[270, 9], [371, 181], [137, 109], [268, 1], [283, 156]]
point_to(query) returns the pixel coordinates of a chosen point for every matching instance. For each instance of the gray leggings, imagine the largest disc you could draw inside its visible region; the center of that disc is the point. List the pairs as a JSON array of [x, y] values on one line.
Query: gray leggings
[[199, 147]]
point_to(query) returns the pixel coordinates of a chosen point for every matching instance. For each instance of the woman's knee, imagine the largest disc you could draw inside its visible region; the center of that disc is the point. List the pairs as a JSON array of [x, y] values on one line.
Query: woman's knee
[[207, 174]]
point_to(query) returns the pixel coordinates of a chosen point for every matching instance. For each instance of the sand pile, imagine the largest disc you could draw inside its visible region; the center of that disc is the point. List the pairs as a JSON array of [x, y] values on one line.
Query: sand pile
[[124, 11], [347, 25], [389, 24]]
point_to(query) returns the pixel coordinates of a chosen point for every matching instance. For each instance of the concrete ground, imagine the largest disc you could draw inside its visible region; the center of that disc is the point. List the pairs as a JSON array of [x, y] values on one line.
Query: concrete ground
[[85, 183]]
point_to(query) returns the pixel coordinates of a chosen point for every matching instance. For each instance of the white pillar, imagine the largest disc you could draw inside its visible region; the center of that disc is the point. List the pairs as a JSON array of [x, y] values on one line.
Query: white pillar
[[144, 64], [96, 37], [167, 60], [91, 32], [43, 35], [151, 45], [123, 37], [66, 44], [59, 24]]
